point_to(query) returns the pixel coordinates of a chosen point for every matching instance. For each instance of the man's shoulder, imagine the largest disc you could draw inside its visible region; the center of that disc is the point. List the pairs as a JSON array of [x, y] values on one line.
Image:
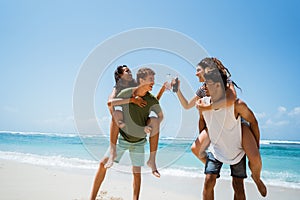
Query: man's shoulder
[[151, 96], [239, 104], [126, 92]]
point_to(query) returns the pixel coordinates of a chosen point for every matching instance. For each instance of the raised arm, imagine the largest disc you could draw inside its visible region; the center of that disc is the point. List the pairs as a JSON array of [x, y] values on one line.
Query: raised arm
[[244, 111], [161, 91], [183, 101]]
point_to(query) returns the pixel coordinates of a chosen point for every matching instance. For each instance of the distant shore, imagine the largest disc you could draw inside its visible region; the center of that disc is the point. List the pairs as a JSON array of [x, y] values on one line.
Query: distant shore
[[25, 181]]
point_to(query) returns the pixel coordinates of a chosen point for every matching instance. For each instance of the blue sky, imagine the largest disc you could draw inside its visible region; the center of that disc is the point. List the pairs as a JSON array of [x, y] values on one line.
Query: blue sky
[[44, 44]]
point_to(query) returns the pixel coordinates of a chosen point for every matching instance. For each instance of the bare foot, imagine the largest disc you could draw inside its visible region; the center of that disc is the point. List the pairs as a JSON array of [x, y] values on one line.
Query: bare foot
[[112, 156], [260, 186], [152, 165]]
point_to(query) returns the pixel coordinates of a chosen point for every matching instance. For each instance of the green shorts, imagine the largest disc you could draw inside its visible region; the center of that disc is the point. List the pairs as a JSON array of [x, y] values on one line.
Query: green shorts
[[136, 151]]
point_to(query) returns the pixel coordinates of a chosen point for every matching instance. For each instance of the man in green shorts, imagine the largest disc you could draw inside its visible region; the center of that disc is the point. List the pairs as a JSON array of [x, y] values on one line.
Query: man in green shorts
[[133, 136]]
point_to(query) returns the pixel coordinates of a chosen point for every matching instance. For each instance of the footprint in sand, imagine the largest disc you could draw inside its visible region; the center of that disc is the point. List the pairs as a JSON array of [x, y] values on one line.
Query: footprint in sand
[[116, 198], [103, 196]]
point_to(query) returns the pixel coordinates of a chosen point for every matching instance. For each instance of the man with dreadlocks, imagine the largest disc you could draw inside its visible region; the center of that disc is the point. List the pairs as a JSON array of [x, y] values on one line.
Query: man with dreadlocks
[[250, 139], [225, 134]]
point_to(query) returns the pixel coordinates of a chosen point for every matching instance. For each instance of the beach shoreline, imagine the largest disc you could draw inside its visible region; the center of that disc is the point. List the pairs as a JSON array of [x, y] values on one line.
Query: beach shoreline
[[27, 181]]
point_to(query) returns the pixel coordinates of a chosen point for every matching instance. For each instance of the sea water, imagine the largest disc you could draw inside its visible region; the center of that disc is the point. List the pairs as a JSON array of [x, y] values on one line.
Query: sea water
[[281, 159]]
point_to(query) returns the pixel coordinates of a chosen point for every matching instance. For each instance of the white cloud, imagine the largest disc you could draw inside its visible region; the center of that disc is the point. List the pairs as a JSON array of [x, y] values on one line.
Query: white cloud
[[59, 120], [295, 111], [282, 123], [281, 109], [281, 118], [279, 123], [57, 124], [269, 122], [260, 115]]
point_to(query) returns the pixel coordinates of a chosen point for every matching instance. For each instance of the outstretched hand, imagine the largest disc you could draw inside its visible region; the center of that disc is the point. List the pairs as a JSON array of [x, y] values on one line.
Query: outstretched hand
[[169, 85], [174, 82]]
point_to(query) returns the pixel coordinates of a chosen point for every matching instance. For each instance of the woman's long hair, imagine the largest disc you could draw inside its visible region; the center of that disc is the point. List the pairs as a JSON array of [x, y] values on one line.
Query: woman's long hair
[[120, 83], [214, 63]]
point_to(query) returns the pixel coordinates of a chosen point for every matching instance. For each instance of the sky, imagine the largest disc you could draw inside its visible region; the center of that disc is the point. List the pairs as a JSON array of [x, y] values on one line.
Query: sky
[[44, 45]]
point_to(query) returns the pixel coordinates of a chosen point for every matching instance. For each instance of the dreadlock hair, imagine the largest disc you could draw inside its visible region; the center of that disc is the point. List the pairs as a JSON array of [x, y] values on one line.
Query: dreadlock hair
[[217, 76], [214, 63]]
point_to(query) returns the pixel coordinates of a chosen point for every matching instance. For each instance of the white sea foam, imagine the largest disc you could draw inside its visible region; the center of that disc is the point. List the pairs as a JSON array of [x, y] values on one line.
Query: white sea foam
[[68, 154], [188, 172], [279, 142], [187, 139], [270, 178], [50, 161], [53, 134], [40, 133], [177, 138]]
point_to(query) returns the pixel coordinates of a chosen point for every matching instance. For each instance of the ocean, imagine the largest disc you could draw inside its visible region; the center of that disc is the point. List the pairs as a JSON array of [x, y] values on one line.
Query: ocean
[[281, 159]]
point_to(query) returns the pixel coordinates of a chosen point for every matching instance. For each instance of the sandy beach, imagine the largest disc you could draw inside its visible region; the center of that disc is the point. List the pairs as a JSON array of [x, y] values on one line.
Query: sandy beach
[[25, 181]]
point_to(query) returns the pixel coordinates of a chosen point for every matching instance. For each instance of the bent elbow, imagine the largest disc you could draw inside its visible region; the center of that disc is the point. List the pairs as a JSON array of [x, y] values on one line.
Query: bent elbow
[[160, 118], [186, 106]]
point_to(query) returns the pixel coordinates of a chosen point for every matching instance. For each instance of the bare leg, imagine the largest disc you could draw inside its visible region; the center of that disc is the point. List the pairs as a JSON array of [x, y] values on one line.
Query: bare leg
[[255, 164], [136, 182], [200, 145], [100, 175], [238, 187], [114, 131], [209, 185], [154, 125], [118, 118]]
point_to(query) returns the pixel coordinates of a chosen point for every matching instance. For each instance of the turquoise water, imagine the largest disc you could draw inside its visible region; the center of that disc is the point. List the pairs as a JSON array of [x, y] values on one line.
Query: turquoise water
[[281, 159]]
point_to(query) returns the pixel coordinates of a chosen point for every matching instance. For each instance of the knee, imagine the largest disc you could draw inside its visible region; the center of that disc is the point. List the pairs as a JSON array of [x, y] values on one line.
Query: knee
[[254, 159], [210, 181], [117, 114], [257, 158], [197, 151], [136, 171], [194, 149], [137, 175], [103, 162], [153, 122], [238, 185]]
